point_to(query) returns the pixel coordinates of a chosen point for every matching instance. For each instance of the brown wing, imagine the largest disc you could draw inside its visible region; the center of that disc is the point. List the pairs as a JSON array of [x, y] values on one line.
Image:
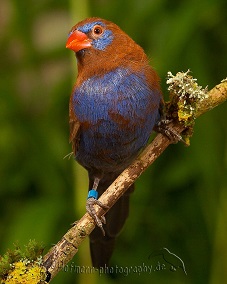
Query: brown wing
[[74, 126]]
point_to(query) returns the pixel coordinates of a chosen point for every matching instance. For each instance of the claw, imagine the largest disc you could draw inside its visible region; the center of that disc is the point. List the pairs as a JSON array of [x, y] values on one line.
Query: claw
[[91, 211], [163, 127]]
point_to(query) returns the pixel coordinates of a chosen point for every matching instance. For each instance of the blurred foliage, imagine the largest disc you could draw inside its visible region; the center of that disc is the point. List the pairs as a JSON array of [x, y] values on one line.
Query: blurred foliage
[[180, 202]]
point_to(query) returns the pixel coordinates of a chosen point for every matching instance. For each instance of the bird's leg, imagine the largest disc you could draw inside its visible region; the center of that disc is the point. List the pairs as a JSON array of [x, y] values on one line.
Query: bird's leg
[[163, 127], [92, 200]]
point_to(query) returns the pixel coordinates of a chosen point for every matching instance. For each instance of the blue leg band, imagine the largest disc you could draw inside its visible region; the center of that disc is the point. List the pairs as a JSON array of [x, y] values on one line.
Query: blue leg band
[[92, 193]]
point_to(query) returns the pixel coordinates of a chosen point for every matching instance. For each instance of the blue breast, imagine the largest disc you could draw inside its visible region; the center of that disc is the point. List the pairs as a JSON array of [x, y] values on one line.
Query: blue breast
[[117, 113]]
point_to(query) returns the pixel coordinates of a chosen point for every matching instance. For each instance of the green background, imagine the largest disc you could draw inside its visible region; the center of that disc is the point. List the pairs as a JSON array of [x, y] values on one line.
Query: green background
[[179, 203]]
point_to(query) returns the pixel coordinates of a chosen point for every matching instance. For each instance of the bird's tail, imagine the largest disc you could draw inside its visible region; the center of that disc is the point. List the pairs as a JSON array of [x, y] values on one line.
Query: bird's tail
[[102, 247]]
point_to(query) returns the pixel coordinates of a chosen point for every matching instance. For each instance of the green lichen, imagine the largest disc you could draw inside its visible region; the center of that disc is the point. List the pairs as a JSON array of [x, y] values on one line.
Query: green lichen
[[185, 96], [22, 266], [24, 272]]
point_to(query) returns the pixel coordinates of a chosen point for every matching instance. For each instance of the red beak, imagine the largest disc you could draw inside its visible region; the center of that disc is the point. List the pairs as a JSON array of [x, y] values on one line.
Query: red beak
[[77, 41]]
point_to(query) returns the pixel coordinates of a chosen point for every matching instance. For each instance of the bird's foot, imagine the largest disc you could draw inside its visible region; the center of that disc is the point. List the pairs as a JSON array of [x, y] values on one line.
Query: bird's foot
[[163, 127], [91, 201]]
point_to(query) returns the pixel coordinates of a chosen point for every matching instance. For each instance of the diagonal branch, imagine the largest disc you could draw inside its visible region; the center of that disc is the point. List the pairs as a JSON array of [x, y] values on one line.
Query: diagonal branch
[[67, 247]]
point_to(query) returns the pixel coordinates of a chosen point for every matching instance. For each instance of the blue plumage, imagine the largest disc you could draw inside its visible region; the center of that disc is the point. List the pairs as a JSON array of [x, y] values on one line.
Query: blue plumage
[[118, 109]]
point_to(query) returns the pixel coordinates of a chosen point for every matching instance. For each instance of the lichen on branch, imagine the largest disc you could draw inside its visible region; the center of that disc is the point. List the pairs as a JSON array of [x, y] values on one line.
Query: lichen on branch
[[19, 266], [185, 95]]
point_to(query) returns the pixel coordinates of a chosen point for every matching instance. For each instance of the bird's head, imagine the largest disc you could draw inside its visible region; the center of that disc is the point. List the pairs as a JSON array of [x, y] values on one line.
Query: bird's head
[[102, 42], [93, 33]]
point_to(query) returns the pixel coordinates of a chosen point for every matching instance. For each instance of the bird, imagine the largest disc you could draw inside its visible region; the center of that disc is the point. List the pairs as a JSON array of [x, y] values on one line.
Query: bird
[[115, 105]]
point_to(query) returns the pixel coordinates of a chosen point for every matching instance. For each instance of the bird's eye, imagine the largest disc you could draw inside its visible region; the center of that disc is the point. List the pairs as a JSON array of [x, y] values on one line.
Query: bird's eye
[[97, 30]]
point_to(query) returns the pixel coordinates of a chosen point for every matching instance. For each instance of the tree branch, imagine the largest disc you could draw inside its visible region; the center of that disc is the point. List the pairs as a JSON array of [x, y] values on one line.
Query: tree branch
[[67, 247]]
